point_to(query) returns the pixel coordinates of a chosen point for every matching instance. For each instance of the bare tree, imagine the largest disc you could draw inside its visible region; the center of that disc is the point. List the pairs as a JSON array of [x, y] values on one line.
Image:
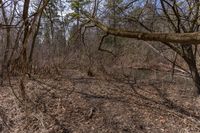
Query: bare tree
[[183, 39]]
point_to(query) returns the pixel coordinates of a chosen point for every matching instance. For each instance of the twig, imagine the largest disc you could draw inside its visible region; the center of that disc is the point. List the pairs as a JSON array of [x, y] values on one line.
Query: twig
[[101, 43]]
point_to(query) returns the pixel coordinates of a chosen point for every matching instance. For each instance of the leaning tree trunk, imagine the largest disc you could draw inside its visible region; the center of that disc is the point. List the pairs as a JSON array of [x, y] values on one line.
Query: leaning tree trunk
[[195, 75], [196, 78], [190, 59]]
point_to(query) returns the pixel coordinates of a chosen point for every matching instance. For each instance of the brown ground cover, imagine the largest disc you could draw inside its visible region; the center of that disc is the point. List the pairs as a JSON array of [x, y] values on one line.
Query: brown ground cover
[[76, 103]]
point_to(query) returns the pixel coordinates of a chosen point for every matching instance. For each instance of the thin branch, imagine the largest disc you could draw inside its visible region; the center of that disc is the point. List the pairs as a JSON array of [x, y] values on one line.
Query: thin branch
[[101, 43]]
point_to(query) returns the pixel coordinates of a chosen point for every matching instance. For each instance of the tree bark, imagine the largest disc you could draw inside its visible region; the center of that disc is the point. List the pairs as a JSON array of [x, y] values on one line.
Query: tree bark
[[190, 59], [195, 75]]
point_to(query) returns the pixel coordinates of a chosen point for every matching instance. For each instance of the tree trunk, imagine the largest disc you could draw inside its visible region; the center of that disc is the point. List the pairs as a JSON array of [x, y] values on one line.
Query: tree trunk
[[190, 59], [195, 75], [5, 58], [34, 39], [6, 52]]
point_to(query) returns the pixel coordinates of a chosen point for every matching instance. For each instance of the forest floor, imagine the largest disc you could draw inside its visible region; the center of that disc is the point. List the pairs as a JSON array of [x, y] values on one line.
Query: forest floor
[[77, 103]]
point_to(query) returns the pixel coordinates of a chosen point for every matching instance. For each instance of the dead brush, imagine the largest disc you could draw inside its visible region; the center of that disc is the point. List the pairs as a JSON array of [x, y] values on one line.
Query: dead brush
[[33, 107], [4, 119], [47, 70]]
